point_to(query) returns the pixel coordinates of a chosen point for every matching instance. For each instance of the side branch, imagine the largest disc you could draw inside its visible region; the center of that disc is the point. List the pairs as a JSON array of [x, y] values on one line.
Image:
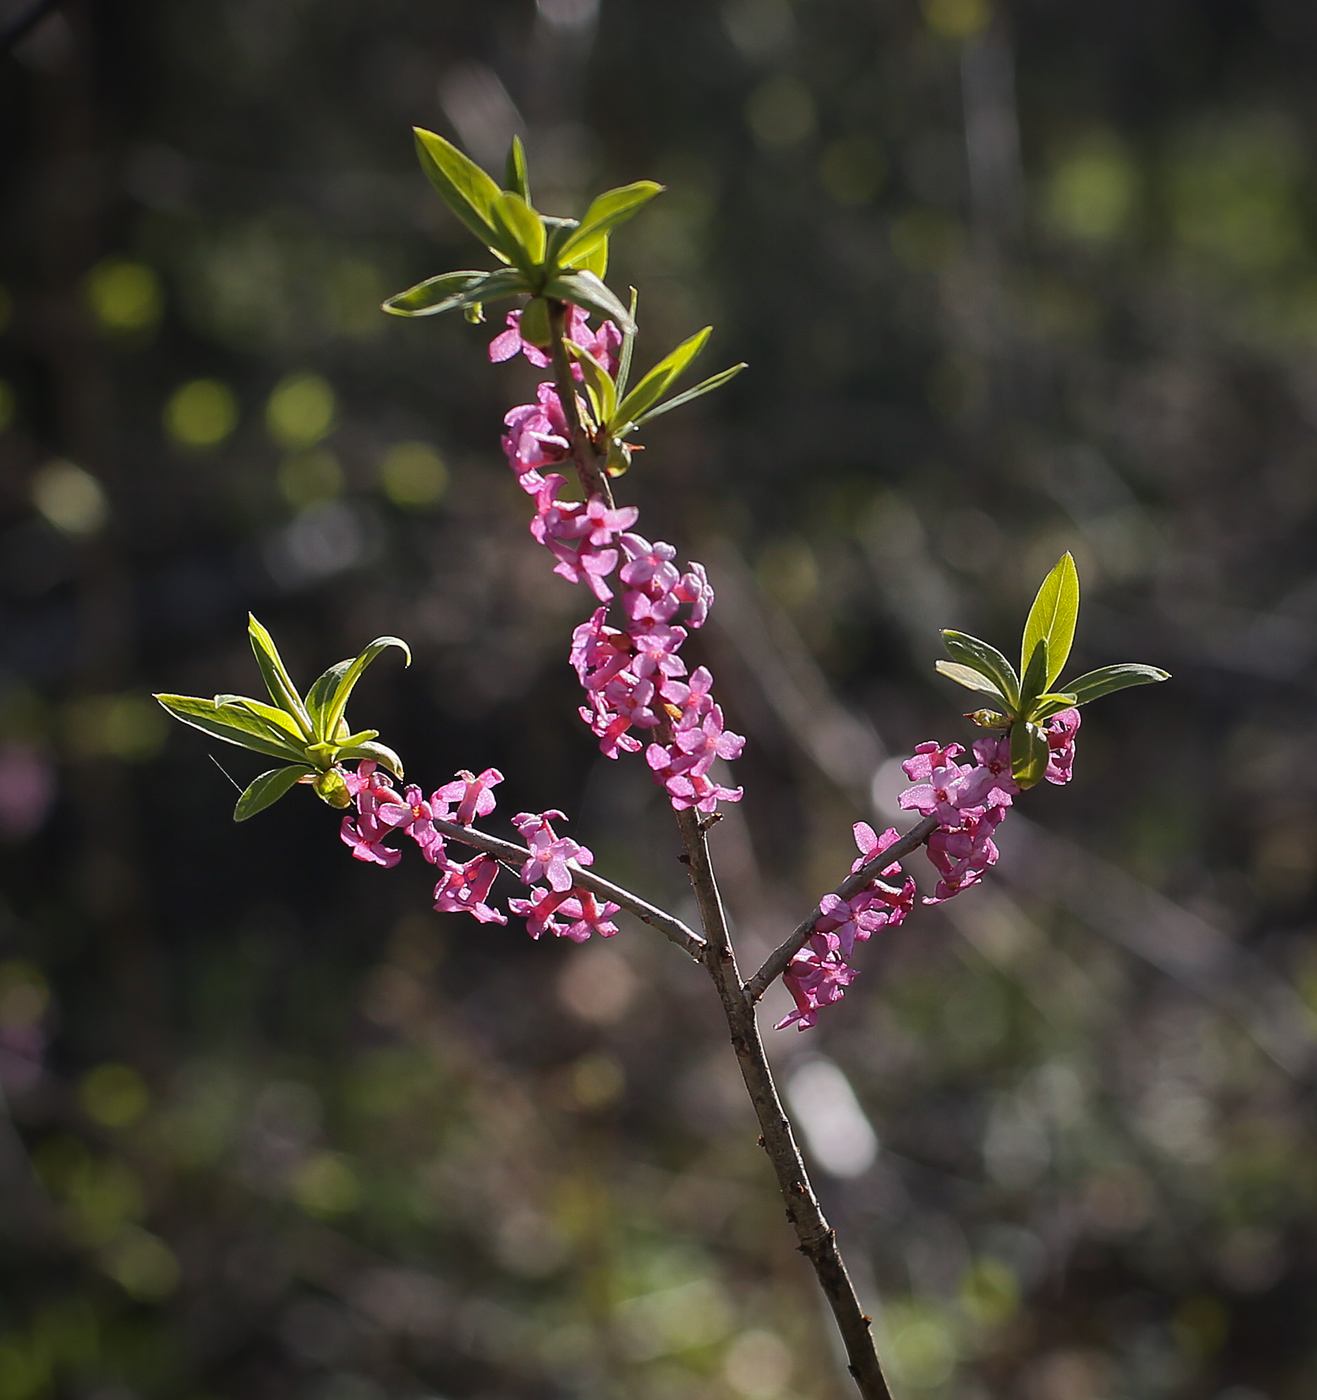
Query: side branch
[[818, 1240], [589, 467], [780, 958], [512, 854]]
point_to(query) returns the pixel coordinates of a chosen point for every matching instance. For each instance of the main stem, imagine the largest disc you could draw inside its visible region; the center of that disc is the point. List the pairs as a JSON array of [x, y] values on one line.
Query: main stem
[[818, 1240], [589, 463]]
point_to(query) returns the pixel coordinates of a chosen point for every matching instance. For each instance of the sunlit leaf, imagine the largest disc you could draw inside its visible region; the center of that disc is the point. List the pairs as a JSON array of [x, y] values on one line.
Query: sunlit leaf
[[986, 660], [970, 679], [1053, 615], [321, 695], [452, 291], [334, 711], [1029, 753], [522, 231], [233, 725], [516, 179], [268, 789], [1048, 705], [705, 386], [599, 384], [610, 209], [275, 674], [653, 386], [461, 183], [1108, 678], [381, 753], [1034, 681]]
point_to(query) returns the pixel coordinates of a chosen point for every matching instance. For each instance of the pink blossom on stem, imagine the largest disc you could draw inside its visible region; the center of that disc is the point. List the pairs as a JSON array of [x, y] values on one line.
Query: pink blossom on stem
[[464, 889], [549, 852], [369, 789], [471, 793], [649, 566], [414, 817], [603, 344], [962, 854], [696, 590], [816, 977], [1061, 741], [581, 914]]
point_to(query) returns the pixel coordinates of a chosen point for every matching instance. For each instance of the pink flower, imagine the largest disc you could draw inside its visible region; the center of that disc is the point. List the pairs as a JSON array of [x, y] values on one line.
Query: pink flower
[[581, 912], [941, 792], [649, 566], [1061, 741], [414, 817], [370, 790], [817, 977], [536, 437], [464, 889], [928, 756], [964, 853], [990, 783], [696, 589], [870, 845], [549, 853], [472, 795]]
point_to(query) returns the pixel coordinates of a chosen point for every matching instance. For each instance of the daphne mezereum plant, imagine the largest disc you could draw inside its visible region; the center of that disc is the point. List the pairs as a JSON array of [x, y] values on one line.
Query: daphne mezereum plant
[[640, 697]]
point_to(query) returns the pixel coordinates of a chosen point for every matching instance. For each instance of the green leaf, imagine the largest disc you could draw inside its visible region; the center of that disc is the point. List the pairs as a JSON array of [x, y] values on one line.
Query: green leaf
[[516, 178], [321, 695], [598, 383], [586, 290], [653, 386], [1108, 678], [628, 346], [381, 753], [352, 675], [1034, 681], [596, 261], [986, 660], [705, 386], [1028, 753], [557, 232], [970, 679], [278, 719], [267, 790], [610, 209], [464, 187], [1048, 705], [233, 725], [522, 231], [453, 290], [1053, 615], [277, 680]]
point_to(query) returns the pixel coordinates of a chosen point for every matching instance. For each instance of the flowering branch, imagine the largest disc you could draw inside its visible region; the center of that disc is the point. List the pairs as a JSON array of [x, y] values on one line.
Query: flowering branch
[[512, 855], [594, 480], [780, 958]]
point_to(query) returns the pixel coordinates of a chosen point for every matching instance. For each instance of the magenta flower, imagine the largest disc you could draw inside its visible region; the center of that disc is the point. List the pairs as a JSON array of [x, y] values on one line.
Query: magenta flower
[[649, 566], [817, 977], [942, 791], [549, 853], [464, 889], [963, 854], [581, 914], [1061, 741], [696, 589], [414, 817], [603, 344], [472, 795], [928, 756]]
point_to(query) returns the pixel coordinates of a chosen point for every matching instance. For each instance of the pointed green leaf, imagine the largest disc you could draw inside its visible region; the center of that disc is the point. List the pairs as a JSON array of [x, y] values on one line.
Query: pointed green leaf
[[516, 178], [1048, 705], [381, 753], [1053, 615], [610, 209], [1034, 681], [522, 230], [705, 386], [653, 386], [279, 720], [599, 384], [457, 290], [628, 346], [267, 790], [352, 675], [557, 232], [461, 183], [986, 660], [1028, 753], [275, 674], [597, 260], [233, 725], [1108, 678], [584, 289], [969, 678], [321, 695]]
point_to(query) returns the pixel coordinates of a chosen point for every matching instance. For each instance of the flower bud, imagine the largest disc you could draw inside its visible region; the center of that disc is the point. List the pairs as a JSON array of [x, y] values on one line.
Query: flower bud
[[331, 788], [535, 323]]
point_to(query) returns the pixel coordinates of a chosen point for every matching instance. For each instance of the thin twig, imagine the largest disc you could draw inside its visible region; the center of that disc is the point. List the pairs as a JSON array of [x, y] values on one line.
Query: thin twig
[[818, 1240], [778, 960], [513, 855], [594, 480]]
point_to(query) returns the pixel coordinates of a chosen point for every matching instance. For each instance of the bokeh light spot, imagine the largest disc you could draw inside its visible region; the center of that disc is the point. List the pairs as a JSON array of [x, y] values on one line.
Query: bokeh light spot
[[70, 498], [125, 296], [114, 1095], [413, 475], [780, 112], [300, 411], [309, 478], [201, 413]]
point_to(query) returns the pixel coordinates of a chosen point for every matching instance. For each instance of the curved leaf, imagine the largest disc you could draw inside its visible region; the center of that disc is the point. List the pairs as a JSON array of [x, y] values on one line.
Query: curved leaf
[[605, 213], [233, 725], [653, 386], [334, 712], [452, 291], [522, 231], [1108, 678], [461, 183], [321, 695], [516, 179], [1053, 615], [1048, 705], [1034, 681], [970, 679], [381, 753], [586, 290], [984, 659], [275, 674], [267, 790]]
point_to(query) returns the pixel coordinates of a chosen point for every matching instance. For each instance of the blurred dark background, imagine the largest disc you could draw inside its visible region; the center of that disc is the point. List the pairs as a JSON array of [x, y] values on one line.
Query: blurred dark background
[[1010, 280]]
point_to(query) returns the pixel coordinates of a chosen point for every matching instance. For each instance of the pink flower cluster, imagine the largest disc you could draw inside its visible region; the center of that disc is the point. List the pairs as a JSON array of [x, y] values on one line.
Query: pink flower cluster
[[632, 675], [820, 972], [970, 800], [464, 886]]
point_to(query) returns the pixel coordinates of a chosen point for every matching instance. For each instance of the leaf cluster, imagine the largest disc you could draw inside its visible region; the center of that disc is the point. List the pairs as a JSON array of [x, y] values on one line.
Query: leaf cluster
[[543, 257], [1023, 701], [310, 734]]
